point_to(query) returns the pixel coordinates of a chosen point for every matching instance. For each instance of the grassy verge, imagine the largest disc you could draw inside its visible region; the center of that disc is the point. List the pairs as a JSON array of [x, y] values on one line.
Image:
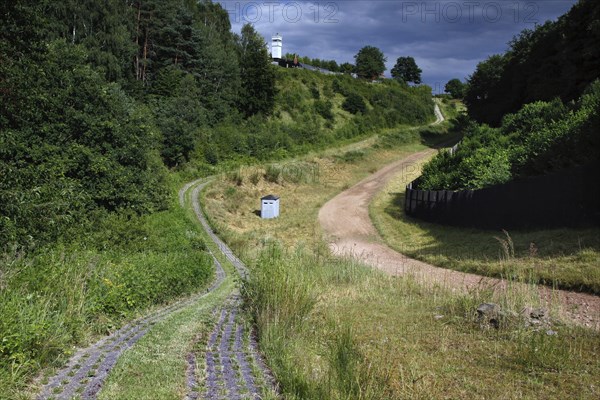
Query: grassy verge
[[304, 185], [155, 367], [334, 329], [566, 258], [66, 296]]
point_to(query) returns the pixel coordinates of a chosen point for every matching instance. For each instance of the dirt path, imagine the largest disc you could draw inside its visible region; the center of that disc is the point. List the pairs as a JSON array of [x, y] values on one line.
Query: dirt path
[[439, 117], [346, 223]]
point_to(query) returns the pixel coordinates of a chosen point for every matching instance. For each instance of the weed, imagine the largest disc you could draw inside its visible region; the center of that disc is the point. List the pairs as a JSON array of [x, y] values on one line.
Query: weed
[[344, 359], [508, 247], [351, 156], [255, 177], [236, 176], [273, 173]]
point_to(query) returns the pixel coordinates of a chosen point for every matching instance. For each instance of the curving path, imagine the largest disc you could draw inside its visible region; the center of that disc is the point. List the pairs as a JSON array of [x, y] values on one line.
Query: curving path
[[439, 117], [234, 368], [87, 370], [346, 223]]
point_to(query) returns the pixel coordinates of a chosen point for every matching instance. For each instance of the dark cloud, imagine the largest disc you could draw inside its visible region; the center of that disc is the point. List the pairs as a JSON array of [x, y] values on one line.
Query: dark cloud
[[446, 38]]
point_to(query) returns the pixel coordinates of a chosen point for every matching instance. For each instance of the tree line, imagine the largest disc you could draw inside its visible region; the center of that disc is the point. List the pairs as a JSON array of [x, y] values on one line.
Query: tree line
[[532, 110], [369, 64], [555, 59], [98, 96]]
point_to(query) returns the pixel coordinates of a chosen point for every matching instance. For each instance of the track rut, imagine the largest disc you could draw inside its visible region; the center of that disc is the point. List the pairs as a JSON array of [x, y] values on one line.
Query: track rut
[[234, 367]]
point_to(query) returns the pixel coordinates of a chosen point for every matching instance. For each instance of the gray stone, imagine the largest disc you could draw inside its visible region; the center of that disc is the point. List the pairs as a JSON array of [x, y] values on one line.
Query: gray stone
[[536, 318], [489, 314], [534, 313]]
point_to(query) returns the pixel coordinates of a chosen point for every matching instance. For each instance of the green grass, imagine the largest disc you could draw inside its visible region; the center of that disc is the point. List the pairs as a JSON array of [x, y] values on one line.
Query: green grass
[[565, 258], [155, 367], [332, 328], [64, 296]]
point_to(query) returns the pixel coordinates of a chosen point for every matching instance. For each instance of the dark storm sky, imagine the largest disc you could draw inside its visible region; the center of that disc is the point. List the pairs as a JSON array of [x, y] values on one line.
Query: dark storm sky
[[446, 38]]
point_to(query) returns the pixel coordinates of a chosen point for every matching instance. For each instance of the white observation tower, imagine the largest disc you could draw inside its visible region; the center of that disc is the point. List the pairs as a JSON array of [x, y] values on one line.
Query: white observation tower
[[276, 46]]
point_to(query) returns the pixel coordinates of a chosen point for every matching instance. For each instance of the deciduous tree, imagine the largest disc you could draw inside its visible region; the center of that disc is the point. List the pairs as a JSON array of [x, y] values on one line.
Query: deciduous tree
[[406, 70], [455, 88], [482, 85], [370, 62], [347, 68]]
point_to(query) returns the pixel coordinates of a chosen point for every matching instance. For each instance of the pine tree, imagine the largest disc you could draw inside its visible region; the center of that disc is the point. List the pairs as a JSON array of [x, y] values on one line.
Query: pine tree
[[257, 76]]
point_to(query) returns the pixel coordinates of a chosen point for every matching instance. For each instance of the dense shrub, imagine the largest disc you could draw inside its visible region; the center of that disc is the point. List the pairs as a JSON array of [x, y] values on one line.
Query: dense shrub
[[56, 297], [324, 109], [540, 138], [354, 104], [71, 143], [314, 91]]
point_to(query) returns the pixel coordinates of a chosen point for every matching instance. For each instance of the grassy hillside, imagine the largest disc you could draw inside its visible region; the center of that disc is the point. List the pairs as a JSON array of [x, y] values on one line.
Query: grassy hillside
[[311, 111], [112, 261], [332, 328], [542, 137]]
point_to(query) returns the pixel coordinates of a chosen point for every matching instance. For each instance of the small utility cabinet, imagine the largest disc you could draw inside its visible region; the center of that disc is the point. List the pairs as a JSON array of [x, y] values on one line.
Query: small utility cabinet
[[269, 207]]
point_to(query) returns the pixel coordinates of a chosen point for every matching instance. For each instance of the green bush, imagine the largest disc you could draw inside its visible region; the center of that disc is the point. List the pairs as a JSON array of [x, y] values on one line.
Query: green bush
[[351, 156], [324, 109], [354, 104], [56, 297], [540, 138], [314, 91]]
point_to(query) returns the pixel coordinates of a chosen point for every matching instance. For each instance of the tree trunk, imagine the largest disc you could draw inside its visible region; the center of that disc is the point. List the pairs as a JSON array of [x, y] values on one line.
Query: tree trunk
[[137, 42]]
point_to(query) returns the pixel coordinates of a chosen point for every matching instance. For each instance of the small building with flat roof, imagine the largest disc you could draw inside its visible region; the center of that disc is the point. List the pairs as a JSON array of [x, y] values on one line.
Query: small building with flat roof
[[269, 207]]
